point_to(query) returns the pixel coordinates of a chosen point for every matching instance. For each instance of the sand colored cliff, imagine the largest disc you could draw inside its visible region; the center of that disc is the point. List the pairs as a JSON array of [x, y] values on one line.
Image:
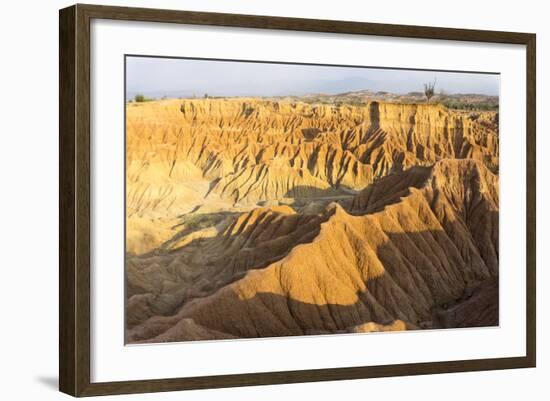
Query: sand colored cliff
[[258, 218]]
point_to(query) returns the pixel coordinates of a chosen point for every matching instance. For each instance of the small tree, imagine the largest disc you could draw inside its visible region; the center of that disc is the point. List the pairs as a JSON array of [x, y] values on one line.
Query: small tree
[[429, 90], [139, 98], [206, 95]]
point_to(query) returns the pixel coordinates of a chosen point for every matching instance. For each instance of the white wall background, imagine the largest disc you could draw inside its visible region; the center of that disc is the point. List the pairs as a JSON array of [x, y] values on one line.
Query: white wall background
[[28, 199]]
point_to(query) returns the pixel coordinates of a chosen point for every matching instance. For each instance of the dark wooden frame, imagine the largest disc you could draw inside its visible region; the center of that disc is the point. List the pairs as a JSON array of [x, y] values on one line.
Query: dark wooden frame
[[74, 199]]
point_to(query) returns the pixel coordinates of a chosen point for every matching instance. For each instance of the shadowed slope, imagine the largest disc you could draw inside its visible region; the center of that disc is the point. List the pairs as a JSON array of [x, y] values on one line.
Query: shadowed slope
[[395, 263], [198, 263]]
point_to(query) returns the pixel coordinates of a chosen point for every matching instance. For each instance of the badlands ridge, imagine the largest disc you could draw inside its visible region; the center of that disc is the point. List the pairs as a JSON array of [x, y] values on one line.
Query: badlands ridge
[[257, 218]]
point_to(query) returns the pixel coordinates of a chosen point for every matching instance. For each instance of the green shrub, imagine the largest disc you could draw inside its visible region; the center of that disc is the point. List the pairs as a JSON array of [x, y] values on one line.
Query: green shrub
[[200, 221], [140, 98]]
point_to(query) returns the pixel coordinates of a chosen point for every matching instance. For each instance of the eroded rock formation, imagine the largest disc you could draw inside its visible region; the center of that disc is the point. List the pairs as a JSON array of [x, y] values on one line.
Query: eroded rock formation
[[251, 218]]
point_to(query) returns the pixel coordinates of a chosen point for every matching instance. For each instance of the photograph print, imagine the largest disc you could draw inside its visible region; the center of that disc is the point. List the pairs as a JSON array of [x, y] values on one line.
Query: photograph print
[[272, 199]]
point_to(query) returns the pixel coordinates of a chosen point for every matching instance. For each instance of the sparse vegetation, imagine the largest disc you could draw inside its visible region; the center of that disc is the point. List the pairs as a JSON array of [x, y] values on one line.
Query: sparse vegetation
[[457, 101], [200, 221], [335, 101], [458, 105], [429, 90], [140, 98]]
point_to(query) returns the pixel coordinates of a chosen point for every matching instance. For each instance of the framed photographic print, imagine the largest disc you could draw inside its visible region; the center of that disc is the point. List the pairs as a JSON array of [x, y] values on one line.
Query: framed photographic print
[[250, 200]]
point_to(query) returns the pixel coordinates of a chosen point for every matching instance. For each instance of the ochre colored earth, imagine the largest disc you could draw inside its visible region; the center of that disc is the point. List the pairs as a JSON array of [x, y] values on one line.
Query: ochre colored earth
[[255, 218]]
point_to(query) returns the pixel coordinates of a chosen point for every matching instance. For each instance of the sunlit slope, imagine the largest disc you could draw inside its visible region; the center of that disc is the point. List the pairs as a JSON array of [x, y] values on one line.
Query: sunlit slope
[[209, 155], [396, 256]]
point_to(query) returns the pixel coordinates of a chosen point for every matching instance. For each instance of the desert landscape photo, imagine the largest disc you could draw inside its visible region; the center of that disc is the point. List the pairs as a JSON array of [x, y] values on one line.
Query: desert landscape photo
[[269, 200]]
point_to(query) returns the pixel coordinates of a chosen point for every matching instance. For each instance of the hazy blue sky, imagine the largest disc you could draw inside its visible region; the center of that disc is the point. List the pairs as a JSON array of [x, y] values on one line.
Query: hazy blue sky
[[180, 77]]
